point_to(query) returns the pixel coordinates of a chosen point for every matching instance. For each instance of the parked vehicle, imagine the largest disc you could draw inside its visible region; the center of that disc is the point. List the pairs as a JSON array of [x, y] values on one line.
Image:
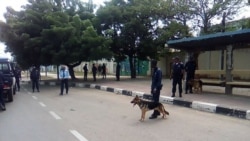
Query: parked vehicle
[[7, 68]]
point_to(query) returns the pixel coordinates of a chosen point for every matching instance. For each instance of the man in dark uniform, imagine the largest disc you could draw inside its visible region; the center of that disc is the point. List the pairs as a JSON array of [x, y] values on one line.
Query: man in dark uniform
[[156, 86], [85, 75], [117, 74], [17, 73], [94, 71], [34, 77], [2, 103], [177, 75], [190, 67]]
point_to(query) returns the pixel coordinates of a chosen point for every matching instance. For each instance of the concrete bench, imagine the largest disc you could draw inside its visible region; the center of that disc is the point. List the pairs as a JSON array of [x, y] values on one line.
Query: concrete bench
[[213, 82], [205, 75], [238, 84], [209, 72]]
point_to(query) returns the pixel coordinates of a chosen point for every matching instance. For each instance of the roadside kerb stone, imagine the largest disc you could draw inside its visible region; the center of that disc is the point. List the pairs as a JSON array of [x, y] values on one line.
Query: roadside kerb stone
[[197, 105], [203, 106], [248, 115]]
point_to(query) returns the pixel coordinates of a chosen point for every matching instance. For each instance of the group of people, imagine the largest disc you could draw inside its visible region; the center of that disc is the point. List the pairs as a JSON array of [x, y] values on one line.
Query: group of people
[[63, 76], [100, 69], [177, 75]]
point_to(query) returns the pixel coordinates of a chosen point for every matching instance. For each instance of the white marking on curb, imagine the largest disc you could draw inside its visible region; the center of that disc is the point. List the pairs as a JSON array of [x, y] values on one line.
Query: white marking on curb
[[78, 135], [92, 86], [203, 106], [136, 93], [104, 88], [34, 97], [42, 104], [52, 83], [80, 85], [118, 91], [248, 114], [42, 83], [55, 115]]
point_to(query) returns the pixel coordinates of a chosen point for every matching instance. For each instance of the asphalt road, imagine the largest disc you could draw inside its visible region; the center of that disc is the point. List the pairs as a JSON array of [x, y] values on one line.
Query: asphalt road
[[93, 115]]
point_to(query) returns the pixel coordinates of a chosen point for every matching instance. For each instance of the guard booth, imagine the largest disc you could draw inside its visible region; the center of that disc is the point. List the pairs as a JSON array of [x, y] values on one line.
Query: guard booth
[[227, 42]]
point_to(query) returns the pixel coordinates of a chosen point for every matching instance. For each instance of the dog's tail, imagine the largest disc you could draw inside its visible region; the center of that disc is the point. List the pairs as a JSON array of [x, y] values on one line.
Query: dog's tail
[[166, 112]]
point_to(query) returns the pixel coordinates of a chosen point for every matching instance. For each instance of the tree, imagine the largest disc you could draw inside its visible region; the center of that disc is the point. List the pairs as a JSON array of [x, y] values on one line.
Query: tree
[[53, 32], [208, 11], [133, 26]]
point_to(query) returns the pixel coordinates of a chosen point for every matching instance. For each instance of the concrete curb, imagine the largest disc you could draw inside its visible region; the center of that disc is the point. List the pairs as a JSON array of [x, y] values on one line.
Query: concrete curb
[[197, 105]]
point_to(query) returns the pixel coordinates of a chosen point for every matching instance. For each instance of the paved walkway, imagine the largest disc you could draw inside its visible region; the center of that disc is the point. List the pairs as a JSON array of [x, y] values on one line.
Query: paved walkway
[[211, 94]]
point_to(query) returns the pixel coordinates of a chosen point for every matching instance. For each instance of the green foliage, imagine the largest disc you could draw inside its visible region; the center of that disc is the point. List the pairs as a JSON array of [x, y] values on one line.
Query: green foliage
[[53, 32]]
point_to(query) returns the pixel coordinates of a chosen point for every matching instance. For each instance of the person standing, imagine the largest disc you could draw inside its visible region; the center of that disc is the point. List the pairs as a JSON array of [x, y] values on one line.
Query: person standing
[[94, 71], [34, 77], [104, 71], [99, 70], [2, 103], [190, 67], [177, 76], [156, 86], [64, 76], [17, 73], [85, 75], [118, 68]]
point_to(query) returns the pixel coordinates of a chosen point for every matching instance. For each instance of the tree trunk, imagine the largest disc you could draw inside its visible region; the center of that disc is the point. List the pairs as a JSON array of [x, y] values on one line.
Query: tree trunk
[[132, 67], [71, 69], [71, 72]]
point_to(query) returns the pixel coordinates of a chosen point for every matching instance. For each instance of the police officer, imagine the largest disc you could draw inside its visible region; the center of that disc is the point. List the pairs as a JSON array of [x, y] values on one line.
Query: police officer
[[17, 73], [156, 86], [34, 77], [177, 76], [190, 67], [2, 103], [85, 75]]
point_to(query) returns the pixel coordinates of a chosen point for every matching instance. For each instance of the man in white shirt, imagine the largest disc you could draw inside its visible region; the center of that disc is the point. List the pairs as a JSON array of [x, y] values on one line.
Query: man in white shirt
[[64, 76]]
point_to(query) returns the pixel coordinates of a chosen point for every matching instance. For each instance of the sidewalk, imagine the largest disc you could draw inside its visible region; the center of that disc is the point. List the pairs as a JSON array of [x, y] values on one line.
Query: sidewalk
[[211, 99]]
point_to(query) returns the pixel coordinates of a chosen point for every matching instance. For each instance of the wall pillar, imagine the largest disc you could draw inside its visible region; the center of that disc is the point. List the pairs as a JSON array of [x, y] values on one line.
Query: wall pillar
[[229, 68]]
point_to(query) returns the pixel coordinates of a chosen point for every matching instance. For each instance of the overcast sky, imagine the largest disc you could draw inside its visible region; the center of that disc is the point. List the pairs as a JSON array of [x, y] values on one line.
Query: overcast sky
[[16, 4]]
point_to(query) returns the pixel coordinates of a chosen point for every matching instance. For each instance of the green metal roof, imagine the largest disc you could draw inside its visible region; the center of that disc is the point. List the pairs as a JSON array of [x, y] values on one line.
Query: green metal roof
[[215, 41]]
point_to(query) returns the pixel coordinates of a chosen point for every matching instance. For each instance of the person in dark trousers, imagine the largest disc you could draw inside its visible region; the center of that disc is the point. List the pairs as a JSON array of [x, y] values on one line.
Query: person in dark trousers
[[85, 71], [156, 86], [99, 69], [2, 102], [17, 73], [104, 71], [64, 76], [190, 67], [177, 76], [118, 69], [34, 77], [94, 71]]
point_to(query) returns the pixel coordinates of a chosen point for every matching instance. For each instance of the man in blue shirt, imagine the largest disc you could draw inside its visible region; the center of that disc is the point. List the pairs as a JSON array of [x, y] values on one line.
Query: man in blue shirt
[[156, 86], [64, 76]]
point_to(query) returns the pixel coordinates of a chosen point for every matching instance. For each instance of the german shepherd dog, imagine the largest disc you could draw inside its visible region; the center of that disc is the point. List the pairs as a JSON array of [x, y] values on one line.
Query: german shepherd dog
[[147, 106], [196, 85]]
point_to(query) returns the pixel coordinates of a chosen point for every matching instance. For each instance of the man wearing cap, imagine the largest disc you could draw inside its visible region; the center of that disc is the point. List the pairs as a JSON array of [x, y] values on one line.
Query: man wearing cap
[[156, 86], [177, 75]]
